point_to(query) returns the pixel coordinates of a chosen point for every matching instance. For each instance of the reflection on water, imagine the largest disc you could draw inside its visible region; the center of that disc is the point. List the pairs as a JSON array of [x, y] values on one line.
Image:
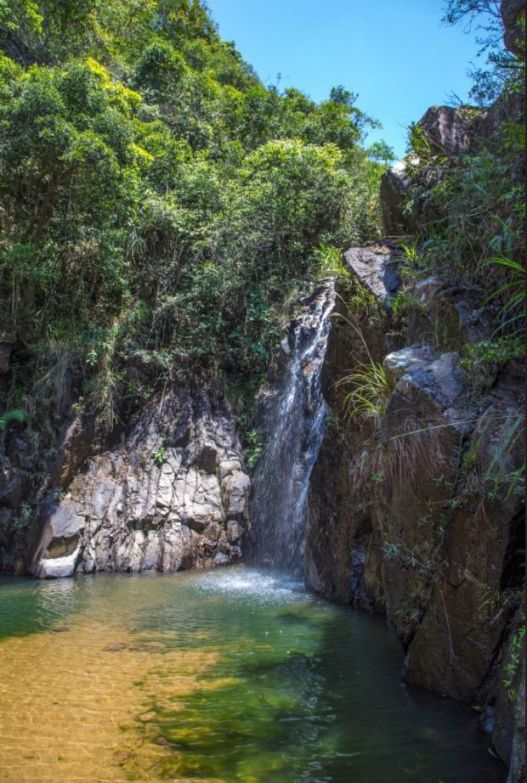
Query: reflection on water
[[230, 676]]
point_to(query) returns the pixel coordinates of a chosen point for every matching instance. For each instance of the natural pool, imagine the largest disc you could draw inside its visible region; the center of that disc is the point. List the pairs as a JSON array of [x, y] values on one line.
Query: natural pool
[[230, 676]]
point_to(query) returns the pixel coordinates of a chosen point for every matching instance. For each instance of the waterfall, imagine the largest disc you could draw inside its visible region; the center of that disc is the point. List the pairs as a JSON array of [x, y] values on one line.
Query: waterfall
[[295, 425]]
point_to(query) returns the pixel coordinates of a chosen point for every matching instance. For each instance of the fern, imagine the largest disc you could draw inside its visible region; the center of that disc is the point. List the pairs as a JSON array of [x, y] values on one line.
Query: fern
[[11, 416]]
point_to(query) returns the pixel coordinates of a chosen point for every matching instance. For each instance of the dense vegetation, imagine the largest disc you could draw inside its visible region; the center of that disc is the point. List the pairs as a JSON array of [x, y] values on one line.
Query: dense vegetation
[[161, 207], [469, 210]]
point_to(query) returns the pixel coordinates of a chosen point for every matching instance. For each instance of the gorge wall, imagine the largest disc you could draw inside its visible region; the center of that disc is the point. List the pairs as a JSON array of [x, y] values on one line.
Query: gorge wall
[[416, 507], [417, 516], [170, 494]]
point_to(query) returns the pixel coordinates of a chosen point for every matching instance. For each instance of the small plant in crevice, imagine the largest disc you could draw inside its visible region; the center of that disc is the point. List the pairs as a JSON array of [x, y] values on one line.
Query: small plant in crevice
[[11, 416], [367, 390], [253, 447], [513, 312], [406, 307], [329, 262], [362, 306], [159, 456], [336, 425], [24, 516], [512, 667]]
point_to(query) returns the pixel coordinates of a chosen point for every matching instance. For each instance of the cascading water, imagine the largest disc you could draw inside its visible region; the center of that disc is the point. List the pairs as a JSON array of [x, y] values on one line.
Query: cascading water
[[294, 429]]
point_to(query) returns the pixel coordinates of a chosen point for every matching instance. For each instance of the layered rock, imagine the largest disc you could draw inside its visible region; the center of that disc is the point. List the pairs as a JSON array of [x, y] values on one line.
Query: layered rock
[[171, 496]]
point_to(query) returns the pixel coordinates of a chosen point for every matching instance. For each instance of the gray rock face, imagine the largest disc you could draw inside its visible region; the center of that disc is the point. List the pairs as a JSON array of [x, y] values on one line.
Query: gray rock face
[[447, 130], [376, 269], [398, 363], [394, 192], [173, 496]]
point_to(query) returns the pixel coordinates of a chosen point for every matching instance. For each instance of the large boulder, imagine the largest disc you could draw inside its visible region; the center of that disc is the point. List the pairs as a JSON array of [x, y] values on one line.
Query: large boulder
[[446, 130], [376, 268], [172, 496]]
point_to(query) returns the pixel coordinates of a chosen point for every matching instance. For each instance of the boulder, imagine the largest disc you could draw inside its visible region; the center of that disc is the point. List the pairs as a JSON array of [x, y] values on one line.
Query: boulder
[[376, 269], [446, 130], [158, 502], [413, 357], [62, 523], [455, 644]]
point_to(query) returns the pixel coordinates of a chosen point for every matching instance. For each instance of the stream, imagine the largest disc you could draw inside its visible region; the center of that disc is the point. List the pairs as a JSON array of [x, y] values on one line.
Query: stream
[[229, 675]]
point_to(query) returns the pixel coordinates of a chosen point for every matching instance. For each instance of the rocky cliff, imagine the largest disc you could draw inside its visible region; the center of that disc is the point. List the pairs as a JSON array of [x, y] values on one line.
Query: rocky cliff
[[416, 506], [170, 495]]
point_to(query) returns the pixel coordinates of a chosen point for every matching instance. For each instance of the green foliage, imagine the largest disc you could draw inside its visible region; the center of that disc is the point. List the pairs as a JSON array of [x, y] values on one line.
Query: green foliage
[[369, 390], [513, 665], [498, 351], [161, 208], [254, 443], [331, 263], [11, 416], [159, 456], [513, 313], [381, 152]]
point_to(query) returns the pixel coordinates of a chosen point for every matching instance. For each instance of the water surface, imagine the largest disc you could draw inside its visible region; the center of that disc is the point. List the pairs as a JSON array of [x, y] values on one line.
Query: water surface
[[232, 676]]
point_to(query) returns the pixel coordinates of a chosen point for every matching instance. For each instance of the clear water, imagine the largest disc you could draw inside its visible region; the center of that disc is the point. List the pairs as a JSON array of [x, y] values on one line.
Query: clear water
[[231, 675]]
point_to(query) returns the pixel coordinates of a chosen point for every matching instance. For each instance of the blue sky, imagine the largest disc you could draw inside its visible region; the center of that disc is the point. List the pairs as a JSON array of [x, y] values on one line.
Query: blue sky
[[396, 54]]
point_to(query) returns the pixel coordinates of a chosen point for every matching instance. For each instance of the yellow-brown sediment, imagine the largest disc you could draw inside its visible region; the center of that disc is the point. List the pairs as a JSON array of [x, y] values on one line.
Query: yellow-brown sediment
[[76, 705]]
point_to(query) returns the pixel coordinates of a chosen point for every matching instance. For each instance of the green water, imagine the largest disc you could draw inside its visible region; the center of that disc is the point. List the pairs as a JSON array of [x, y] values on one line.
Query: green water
[[289, 689]]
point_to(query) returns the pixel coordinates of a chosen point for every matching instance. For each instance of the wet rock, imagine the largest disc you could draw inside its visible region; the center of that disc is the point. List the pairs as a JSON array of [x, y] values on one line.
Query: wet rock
[[237, 485], [292, 417], [234, 531], [456, 641], [516, 759], [74, 450], [14, 487]]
